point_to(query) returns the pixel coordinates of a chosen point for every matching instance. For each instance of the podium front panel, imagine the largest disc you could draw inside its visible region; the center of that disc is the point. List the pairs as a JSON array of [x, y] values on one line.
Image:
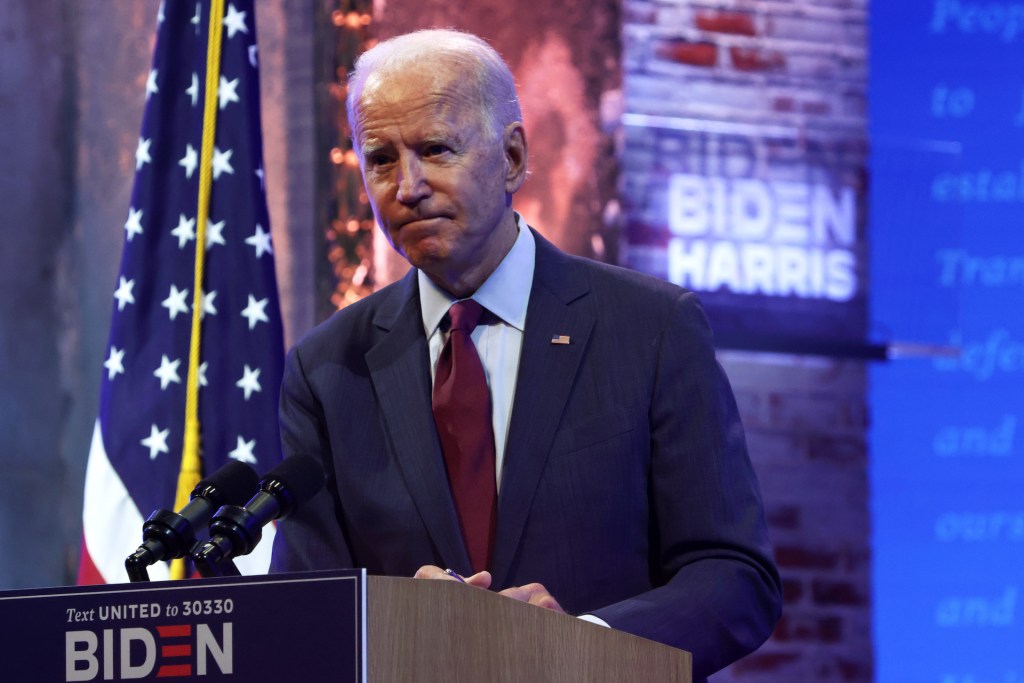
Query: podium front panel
[[289, 627]]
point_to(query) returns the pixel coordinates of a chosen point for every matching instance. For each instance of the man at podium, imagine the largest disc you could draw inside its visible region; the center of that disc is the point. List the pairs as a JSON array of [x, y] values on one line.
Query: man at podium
[[528, 421]]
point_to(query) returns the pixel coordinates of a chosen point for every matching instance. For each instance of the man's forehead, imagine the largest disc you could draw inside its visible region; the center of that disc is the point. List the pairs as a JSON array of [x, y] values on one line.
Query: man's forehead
[[433, 75], [427, 99]]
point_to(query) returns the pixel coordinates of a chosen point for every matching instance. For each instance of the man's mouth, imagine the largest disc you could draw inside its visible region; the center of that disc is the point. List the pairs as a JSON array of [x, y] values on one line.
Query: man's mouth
[[424, 222]]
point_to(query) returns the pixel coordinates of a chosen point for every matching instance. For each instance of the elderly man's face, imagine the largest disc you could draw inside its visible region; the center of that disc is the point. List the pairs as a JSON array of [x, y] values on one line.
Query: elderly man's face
[[439, 180]]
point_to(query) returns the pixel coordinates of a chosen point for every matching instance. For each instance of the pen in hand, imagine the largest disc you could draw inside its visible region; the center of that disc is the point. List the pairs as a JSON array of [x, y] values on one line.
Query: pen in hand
[[455, 575]]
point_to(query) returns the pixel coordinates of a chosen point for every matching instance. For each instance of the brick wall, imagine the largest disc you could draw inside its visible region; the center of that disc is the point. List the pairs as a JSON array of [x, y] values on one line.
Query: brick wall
[[782, 62], [771, 90], [806, 420]]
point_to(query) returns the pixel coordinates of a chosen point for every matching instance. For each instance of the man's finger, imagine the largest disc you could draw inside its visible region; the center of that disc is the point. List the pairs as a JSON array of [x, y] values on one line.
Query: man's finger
[[534, 594], [480, 579], [429, 571]]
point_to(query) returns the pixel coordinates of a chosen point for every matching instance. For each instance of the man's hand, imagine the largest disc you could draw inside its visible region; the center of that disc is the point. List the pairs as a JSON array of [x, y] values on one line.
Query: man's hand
[[429, 571], [534, 594], [531, 593]]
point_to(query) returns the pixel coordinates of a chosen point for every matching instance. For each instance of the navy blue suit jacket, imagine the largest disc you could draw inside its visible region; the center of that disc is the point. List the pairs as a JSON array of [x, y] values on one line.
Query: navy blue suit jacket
[[626, 490]]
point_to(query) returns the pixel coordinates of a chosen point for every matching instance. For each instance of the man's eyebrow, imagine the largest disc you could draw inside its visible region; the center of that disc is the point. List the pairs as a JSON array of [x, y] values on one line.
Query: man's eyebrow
[[452, 135], [371, 146], [449, 134]]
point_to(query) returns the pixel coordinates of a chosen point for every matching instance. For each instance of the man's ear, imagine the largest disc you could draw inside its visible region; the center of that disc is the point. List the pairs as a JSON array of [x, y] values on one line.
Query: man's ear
[[515, 156]]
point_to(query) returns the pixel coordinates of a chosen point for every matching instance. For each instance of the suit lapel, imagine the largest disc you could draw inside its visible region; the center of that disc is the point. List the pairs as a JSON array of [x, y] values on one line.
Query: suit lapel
[[546, 375], [399, 368]]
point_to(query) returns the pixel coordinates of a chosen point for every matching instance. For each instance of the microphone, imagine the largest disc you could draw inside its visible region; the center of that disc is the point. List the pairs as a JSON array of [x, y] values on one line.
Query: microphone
[[170, 535], [235, 531]]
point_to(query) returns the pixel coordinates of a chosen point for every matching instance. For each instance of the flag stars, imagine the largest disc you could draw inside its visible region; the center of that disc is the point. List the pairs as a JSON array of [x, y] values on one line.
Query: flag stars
[[227, 92], [197, 17], [262, 176], [175, 302], [221, 162], [208, 306], [133, 226], [243, 451], [142, 153], [156, 442], [215, 233], [250, 381], [124, 293], [189, 161], [151, 86], [167, 373], [260, 240], [253, 56], [234, 22], [193, 90], [186, 230], [114, 363], [255, 311], [202, 373]]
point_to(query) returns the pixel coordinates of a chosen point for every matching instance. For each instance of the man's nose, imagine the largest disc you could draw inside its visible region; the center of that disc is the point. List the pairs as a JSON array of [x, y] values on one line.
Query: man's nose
[[412, 184]]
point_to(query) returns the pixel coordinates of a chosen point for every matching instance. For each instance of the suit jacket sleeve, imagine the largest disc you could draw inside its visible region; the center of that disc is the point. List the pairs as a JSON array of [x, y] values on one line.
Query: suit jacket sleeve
[[718, 593], [313, 537]]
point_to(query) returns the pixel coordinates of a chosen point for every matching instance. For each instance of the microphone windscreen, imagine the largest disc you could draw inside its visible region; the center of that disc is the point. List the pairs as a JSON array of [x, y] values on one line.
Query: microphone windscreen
[[234, 483], [301, 475]]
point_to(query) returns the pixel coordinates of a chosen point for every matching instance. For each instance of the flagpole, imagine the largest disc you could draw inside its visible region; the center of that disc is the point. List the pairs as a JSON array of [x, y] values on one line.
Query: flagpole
[[191, 463]]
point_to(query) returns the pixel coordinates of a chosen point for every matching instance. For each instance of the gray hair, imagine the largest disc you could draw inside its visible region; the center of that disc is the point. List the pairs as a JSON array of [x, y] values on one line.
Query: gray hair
[[499, 103]]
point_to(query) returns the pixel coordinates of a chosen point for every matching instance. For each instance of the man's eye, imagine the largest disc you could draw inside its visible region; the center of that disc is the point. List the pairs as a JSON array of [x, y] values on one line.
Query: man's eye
[[435, 149], [376, 160]]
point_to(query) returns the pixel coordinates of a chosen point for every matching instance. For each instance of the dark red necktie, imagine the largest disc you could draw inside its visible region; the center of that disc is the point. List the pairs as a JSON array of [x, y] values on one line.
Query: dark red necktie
[[462, 413]]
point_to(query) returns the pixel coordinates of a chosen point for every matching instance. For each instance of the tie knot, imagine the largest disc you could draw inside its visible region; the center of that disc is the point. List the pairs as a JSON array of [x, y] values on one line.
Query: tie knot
[[465, 315]]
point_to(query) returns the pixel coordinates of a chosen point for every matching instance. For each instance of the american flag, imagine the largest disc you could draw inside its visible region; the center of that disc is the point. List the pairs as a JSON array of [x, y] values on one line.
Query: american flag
[[136, 450]]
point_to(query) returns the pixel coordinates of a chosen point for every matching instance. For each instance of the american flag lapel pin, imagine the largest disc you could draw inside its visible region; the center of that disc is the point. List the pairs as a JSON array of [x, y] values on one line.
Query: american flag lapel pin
[[560, 339]]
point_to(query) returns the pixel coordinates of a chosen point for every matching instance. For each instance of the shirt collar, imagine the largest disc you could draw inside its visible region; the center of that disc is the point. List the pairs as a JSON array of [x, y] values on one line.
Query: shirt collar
[[506, 293]]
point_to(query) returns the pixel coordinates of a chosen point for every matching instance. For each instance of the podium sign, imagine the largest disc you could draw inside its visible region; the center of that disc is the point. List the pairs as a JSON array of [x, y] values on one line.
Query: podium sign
[[290, 627]]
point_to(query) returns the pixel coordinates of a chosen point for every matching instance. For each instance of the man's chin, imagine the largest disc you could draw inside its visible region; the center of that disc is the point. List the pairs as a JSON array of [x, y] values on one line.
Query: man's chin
[[426, 255]]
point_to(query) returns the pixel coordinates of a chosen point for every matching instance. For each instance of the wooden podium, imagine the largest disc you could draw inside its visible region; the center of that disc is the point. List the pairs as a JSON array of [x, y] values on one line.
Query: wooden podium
[[443, 632]]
